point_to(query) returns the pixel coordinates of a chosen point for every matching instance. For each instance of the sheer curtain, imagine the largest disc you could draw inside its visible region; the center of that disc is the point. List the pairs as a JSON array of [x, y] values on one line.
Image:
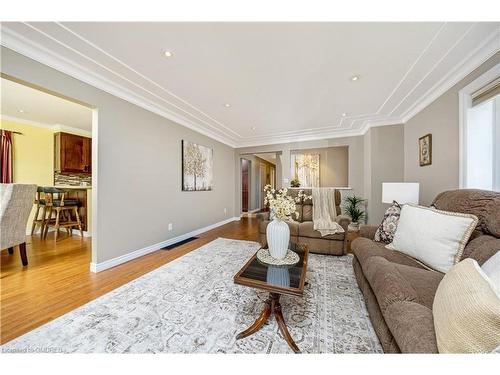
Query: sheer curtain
[[6, 157], [305, 167]]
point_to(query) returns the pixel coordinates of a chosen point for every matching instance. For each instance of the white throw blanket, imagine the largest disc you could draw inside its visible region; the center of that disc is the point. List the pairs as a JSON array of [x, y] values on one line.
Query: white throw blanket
[[324, 211]]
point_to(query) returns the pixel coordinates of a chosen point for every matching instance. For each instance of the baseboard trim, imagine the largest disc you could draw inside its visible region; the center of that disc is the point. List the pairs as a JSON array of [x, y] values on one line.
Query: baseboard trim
[[98, 267]]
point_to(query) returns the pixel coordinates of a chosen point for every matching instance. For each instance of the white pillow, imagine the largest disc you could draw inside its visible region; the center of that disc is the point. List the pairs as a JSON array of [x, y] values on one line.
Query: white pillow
[[492, 269], [435, 238], [466, 311]]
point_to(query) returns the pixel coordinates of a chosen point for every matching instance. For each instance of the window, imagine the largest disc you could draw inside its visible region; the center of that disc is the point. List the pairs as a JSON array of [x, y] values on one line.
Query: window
[[480, 134]]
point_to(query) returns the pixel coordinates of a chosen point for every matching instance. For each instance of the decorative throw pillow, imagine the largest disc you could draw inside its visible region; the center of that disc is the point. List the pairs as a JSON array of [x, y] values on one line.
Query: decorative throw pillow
[[387, 228], [435, 238], [492, 269], [466, 311]]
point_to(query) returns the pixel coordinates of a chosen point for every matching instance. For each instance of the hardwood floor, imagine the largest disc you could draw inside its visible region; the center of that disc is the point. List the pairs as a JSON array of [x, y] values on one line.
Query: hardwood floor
[[58, 280]]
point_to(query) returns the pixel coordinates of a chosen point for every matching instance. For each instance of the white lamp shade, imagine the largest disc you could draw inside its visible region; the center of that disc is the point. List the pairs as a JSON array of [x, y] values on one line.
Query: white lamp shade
[[401, 192]]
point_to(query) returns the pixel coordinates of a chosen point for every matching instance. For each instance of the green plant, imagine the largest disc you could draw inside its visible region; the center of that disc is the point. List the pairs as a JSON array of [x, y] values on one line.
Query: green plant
[[295, 183], [352, 208]]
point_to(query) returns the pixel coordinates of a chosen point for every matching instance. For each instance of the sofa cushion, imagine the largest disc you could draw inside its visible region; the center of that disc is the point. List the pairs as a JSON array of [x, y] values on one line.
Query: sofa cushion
[[482, 203], [379, 325], [387, 283], [307, 212], [306, 229], [404, 295], [481, 248], [424, 282], [412, 326], [363, 248]]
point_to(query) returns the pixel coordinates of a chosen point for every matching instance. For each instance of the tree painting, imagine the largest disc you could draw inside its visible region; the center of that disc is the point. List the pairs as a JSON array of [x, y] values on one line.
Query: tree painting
[[197, 163]]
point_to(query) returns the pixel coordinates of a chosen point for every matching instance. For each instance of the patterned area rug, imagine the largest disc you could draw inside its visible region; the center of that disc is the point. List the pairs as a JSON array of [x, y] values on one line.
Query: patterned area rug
[[191, 305]]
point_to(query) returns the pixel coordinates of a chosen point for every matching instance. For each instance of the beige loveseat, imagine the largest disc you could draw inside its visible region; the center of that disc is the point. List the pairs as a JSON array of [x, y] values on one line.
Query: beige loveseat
[[302, 229], [399, 291]]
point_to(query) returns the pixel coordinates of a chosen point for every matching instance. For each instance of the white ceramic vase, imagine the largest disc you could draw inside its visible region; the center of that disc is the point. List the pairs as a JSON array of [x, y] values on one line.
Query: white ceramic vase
[[278, 237], [278, 276]]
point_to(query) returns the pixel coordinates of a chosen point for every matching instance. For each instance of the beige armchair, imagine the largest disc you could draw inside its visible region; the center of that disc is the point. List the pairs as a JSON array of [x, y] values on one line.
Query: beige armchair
[[16, 203]]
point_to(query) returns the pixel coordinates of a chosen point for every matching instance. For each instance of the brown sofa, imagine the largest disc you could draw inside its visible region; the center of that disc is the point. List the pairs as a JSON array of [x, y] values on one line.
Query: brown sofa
[[399, 292], [302, 230]]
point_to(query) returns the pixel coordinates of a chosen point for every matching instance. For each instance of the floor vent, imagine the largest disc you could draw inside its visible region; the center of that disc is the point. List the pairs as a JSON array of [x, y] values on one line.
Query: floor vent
[[174, 245]]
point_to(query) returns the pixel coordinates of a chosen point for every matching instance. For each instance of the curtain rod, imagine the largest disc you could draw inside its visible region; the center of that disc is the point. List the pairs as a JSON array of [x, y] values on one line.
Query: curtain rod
[[13, 132]]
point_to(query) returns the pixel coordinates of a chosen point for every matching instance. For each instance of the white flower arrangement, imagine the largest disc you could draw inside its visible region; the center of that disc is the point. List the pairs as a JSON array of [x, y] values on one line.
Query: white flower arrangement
[[283, 206]]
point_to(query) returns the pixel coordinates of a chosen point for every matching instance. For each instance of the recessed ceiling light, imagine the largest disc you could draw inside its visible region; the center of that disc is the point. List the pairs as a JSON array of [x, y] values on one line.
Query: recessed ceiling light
[[344, 114], [22, 111], [168, 54], [227, 105], [253, 128], [354, 78]]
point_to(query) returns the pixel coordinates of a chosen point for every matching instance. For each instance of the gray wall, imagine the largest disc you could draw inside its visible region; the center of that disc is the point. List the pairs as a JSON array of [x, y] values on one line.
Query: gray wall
[[369, 162], [386, 150], [139, 168], [333, 165], [441, 119], [355, 164]]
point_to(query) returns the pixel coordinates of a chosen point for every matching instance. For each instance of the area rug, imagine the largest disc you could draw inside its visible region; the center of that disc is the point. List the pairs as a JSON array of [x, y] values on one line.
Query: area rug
[[191, 305]]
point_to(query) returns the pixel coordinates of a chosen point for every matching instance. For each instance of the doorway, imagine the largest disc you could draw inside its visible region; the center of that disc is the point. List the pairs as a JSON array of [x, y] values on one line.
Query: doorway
[[257, 171], [52, 147], [245, 171]]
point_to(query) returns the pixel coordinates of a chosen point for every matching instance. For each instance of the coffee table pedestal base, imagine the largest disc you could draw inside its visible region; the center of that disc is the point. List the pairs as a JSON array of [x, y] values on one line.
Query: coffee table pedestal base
[[272, 307]]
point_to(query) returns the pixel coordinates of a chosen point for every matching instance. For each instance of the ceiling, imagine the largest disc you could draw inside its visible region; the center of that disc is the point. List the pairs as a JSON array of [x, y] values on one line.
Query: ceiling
[[284, 81], [21, 102]]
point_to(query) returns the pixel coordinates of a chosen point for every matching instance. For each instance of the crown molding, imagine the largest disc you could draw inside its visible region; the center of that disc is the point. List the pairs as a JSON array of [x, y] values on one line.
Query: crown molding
[[472, 61], [37, 52], [20, 44], [53, 127]]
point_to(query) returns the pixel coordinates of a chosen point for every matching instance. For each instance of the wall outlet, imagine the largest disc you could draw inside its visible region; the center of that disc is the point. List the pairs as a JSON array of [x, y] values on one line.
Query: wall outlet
[[225, 211], [170, 226]]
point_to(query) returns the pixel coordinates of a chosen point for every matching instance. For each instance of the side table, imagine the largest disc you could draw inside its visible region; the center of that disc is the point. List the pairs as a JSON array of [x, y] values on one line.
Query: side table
[[351, 236]]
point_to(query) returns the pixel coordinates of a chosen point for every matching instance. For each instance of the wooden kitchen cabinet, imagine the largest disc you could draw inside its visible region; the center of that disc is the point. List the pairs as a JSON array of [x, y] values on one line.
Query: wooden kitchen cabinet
[[73, 153]]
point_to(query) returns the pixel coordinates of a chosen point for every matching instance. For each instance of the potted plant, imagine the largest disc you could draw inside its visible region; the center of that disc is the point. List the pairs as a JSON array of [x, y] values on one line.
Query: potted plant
[[353, 209], [295, 183]]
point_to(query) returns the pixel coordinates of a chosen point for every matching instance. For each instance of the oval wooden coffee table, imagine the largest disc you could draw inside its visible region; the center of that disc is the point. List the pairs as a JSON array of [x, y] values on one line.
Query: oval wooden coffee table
[[277, 280]]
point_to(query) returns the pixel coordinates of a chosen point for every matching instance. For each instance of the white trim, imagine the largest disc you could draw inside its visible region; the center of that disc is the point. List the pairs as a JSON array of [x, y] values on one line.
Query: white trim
[[98, 267], [55, 127], [471, 62], [26, 47], [465, 103], [211, 127]]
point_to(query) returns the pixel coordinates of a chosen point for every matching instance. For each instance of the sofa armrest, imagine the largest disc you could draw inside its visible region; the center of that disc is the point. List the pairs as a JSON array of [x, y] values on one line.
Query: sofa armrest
[[367, 231], [262, 216], [343, 221], [412, 326]]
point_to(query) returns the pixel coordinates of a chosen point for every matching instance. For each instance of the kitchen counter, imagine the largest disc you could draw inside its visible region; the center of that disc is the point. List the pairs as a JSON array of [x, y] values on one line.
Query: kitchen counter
[[76, 187], [84, 195]]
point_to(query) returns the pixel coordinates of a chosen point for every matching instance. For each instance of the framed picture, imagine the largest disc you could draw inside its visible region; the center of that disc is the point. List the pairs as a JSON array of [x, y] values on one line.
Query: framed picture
[[425, 150], [197, 167]]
